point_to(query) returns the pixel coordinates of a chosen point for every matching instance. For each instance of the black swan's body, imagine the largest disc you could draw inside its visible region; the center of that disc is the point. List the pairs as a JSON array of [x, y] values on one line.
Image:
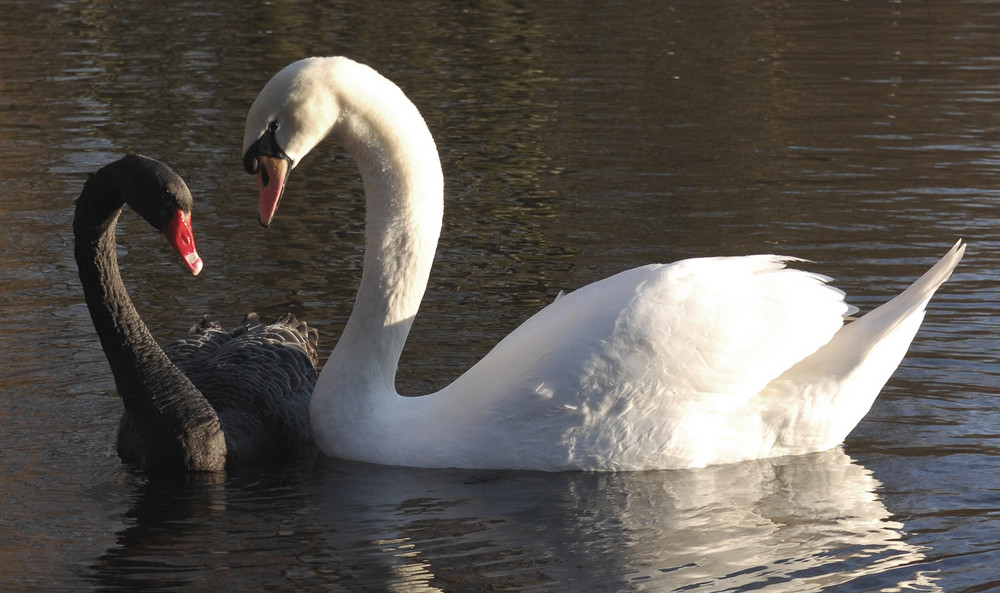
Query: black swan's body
[[213, 399]]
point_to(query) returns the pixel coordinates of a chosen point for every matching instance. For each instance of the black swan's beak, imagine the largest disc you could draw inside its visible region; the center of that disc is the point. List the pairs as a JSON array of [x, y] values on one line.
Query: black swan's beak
[[181, 237]]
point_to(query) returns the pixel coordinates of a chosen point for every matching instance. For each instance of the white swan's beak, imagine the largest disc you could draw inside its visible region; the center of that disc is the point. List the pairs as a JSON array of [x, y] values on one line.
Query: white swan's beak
[[272, 173], [181, 237]]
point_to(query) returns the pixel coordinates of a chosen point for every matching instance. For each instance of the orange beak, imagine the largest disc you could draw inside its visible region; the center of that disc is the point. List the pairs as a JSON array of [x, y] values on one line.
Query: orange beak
[[272, 173]]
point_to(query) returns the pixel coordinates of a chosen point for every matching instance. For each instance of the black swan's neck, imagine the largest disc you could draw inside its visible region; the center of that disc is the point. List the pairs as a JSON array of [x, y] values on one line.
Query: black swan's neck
[[177, 425]]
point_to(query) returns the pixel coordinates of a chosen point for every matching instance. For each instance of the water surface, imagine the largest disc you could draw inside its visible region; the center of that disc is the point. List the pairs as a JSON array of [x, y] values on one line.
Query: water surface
[[577, 140]]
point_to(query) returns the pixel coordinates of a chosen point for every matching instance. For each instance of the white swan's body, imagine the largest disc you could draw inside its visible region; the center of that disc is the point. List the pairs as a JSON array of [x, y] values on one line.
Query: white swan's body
[[664, 366]]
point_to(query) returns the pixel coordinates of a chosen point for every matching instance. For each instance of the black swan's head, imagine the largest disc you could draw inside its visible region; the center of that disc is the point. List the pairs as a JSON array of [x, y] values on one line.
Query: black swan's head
[[156, 193]]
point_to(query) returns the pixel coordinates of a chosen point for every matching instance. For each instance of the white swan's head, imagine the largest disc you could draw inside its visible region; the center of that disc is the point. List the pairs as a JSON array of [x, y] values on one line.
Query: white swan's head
[[294, 111], [371, 116]]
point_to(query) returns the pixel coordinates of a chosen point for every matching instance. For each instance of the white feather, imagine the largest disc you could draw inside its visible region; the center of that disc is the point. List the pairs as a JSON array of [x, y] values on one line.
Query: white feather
[[664, 366]]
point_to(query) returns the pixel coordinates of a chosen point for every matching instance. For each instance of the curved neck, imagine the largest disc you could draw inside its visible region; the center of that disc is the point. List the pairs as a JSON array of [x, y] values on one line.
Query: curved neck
[[399, 165], [164, 405]]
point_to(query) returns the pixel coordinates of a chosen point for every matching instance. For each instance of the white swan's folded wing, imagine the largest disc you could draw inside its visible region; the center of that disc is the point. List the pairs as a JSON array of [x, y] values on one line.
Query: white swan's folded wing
[[722, 328], [699, 332], [621, 362]]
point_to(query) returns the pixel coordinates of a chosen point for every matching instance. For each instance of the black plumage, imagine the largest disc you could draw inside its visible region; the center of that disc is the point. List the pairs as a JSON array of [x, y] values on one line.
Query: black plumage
[[212, 399]]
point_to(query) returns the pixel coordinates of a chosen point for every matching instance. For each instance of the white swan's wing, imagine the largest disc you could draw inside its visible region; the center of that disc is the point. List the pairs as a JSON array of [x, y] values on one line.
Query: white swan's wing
[[621, 362], [702, 329], [722, 328]]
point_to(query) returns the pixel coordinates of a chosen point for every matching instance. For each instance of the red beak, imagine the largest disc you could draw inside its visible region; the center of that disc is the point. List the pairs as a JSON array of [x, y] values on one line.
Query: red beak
[[181, 237], [272, 173]]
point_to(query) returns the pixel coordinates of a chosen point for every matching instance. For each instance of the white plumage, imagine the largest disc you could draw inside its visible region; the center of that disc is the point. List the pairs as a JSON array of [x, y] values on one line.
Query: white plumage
[[698, 362]]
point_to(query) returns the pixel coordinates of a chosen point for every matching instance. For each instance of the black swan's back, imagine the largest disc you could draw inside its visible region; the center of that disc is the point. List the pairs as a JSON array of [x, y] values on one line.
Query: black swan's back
[[259, 379]]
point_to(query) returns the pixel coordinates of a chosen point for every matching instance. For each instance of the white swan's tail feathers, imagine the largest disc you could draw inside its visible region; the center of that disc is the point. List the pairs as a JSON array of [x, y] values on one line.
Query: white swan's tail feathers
[[941, 271], [918, 294], [837, 385]]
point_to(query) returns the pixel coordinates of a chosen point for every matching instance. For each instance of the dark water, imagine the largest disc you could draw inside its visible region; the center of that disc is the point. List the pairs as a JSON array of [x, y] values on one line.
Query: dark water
[[577, 139]]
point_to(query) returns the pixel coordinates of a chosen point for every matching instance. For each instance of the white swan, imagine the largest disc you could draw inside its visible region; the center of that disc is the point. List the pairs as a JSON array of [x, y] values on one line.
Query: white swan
[[699, 362]]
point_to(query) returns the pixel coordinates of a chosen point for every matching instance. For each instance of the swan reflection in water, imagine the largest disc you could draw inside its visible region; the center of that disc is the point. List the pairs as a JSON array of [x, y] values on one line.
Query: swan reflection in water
[[804, 523]]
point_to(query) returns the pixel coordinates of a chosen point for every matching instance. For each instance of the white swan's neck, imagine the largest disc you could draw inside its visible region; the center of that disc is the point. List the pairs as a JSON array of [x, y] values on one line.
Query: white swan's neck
[[394, 150]]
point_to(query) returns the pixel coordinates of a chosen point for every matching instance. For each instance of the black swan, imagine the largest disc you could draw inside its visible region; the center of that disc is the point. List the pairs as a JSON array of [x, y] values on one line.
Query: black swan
[[211, 400]]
